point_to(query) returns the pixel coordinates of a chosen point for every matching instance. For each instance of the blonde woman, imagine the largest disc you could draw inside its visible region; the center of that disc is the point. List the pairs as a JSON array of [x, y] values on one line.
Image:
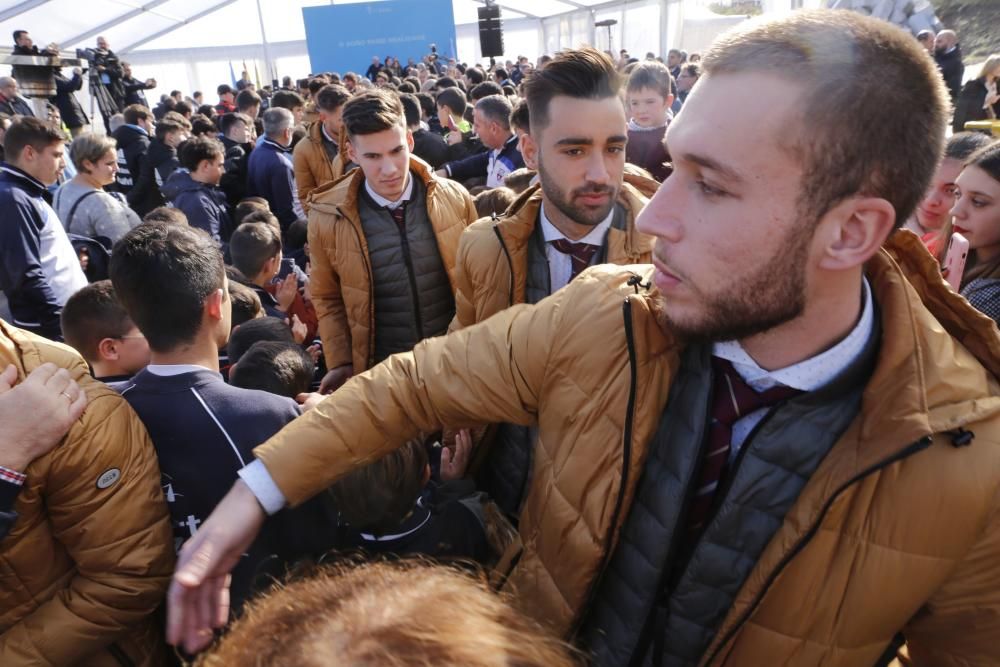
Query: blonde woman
[[979, 99]]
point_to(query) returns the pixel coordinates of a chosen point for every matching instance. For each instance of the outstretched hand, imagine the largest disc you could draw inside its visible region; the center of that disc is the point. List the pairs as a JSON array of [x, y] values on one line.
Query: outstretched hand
[[198, 599], [454, 461]]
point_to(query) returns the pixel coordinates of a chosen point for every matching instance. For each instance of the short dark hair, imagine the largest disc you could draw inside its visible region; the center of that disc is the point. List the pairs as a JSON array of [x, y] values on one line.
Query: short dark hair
[[202, 126], [411, 108], [251, 245], [495, 108], [653, 75], [30, 131], [373, 111], [162, 274], [246, 303], [91, 315], [316, 84], [475, 76], [691, 69], [330, 97], [208, 111], [133, 113], [287, 99], [406, 87], [248, 205], [501, 74], [171, 122], [222, 89], [886, 74], [277, 368], [265, 217], [485, 89], [427, 106], [520, 117], [377, 497], [961, 146], [297, 234], [261, 328], [246, 99], [584, 73], [197, 149], [454, 99], [183, 107], [228, 120], [18, 33], [446, 82], [493, 201], [167, 215]]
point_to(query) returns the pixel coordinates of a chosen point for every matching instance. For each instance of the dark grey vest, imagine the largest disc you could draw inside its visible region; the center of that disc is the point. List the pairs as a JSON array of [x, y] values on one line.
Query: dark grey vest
[[509, 464], [656, 606], [412, 296]]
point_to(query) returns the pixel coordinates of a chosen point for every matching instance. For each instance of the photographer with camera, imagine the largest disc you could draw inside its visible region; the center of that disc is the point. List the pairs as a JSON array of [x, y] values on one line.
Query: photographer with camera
[[134, 87]]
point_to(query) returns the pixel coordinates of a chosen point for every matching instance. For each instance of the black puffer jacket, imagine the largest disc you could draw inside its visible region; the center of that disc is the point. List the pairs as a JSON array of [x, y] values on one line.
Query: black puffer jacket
[[64, 99], [133, 142], [160, 161]]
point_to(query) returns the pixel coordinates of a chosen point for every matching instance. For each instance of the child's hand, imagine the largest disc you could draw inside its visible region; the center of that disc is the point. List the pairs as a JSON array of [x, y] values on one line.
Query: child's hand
[[287, 289], [315, 351], [299, 330], [455, 460]]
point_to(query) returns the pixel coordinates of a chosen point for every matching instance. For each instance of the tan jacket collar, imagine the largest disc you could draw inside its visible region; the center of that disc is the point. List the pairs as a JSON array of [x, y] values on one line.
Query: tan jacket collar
[[341, 196]]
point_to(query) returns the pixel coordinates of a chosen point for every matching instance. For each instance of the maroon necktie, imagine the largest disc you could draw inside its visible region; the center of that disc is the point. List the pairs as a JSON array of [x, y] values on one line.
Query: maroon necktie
[[580, 253], [732, 399], [399, 215]]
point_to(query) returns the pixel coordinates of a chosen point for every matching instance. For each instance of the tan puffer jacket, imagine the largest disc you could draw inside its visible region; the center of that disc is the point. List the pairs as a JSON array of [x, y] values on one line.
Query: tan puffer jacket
[[84, 568], [898, 530], [313, 168], [341, 278], [492, 266]]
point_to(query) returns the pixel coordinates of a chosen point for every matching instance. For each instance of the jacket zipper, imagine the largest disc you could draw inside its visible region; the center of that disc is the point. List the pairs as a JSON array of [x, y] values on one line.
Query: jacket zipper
[[510, 262], [915, 447], [626, 462], [371, 294], [417, 320]]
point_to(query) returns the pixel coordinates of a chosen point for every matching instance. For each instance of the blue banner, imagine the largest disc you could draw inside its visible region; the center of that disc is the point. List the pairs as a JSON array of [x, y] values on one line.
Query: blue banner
[[344, 38]]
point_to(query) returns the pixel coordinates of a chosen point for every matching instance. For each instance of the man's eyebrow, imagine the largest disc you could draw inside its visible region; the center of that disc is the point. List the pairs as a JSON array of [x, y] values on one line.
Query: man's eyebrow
[[709, 163]]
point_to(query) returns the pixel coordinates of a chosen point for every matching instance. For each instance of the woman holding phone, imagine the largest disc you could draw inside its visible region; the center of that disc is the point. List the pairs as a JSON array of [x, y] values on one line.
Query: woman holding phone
[[976, 216]]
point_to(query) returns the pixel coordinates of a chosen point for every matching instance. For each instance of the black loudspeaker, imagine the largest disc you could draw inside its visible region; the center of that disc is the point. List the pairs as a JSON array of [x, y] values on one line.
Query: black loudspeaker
[[490, 32]]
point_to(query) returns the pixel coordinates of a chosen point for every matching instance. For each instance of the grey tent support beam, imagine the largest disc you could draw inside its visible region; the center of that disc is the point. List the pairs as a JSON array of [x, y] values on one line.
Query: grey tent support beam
[[96, 31], [166, 31], [21, 8]]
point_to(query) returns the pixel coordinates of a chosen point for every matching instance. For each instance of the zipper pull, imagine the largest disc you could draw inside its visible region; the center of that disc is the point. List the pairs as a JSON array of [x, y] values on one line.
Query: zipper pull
[[635, 282], [961, 438]]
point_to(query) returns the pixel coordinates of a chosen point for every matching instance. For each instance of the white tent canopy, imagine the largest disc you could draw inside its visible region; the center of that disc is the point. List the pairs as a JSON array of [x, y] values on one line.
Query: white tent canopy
[[192, 44]]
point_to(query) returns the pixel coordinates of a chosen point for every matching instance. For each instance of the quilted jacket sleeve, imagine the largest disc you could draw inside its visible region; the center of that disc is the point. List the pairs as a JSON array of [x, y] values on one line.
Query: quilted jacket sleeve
[[465, 304], [304, 179], [490, 372], [324, 287], [960, 625], [119, 537]]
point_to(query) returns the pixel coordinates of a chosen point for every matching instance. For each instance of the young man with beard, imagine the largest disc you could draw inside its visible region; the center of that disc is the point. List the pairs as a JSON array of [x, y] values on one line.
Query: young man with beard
[[780, 444], [581, 214]]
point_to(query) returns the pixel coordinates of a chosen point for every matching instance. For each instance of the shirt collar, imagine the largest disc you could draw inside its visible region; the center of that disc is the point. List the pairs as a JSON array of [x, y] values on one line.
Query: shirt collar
[[594, 237], [391, 205], [14, 171], [169, 370], [814, 372], [326, 135]]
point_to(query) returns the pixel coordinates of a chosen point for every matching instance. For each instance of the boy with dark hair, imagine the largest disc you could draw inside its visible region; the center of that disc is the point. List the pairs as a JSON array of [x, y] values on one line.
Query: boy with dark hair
[[249, 205], [194, 190], [492, 126], [96, 325], [258, 329], [650, 94], [256, 251], [246, 304], [39, 269], [159, 162], [451, 104], [227, 99], [237, 138], [382, 244], [166, 214], [203, 430], [429, 147], [133, 142], [289, 99], [284, 369], [317, 157]]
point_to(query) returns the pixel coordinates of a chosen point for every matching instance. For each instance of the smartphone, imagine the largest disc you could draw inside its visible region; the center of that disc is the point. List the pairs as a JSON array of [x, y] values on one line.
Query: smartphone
[[954, 260], [287, 266]]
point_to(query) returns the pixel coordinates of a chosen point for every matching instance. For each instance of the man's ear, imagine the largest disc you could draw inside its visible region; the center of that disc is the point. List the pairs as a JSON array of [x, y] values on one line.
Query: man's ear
[[107, 349], [213, 305], [409, 140], [529, 151], [349, 148], [854, 230], [670, 101]]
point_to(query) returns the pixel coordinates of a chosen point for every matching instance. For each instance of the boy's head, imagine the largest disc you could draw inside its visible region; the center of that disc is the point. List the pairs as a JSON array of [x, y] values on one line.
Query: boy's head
[[139, 115], [650, 93], [380, 142], [255, 248], [519, 180], [248, 102], [248, 205], [96, 325], [287, 99], [172, 282], [166, 214], [297, 234], [237, 127], [493, 201], [246, 304], [204, 158], [933, 210], [330, 101], [256, 330], [226, 93], [36, 148], [376, 498], [173, 129], [411, 108], [450, 103], [278, 368]]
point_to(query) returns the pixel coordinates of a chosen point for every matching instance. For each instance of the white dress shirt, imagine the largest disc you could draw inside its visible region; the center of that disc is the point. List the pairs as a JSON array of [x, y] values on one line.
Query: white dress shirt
[[392, 205], [807, 375], [561, 264], [170, 370]]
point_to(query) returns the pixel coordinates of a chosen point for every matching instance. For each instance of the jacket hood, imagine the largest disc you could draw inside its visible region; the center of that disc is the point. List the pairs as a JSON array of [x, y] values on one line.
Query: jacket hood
[[178, 182], [341, 195], [127, 134]]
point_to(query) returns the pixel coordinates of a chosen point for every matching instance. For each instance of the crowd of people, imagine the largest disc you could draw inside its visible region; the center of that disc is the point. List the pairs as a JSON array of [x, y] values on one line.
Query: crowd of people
[[588, 360]]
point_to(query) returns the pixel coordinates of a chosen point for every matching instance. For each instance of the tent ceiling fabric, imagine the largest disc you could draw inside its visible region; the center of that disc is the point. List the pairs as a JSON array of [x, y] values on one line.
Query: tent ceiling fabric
[[153, 24]]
